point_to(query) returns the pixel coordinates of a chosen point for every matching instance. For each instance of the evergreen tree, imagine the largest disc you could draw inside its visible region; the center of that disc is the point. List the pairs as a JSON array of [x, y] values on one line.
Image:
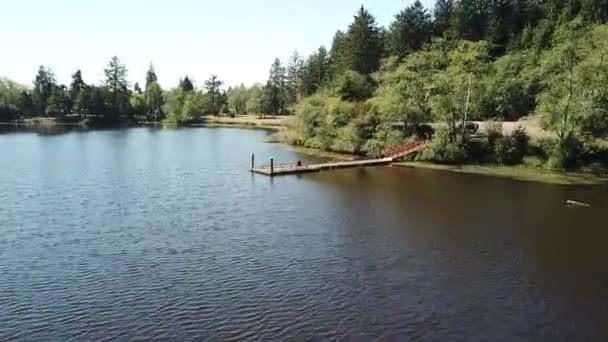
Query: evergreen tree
[[471, 19], [117, 86], [338, 59], [277, 86], [151, 76], [25, 104], [317, 71], [295, 78], [364, 43], [444, 10], [186, 84], [44, 84], [76, 86], [137, 88], [213, 85], [411, 29]]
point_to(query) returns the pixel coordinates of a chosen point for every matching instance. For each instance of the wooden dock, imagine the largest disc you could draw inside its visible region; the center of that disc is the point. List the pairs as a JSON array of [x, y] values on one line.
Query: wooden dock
[[295, 168], [286, 169]]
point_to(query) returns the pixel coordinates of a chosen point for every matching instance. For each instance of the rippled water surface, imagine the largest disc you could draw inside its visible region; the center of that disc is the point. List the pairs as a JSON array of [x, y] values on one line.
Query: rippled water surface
[[164, 235]]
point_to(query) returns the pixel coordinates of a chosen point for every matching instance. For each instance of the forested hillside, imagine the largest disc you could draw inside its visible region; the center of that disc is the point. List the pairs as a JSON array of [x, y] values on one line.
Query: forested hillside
[[433, 72]]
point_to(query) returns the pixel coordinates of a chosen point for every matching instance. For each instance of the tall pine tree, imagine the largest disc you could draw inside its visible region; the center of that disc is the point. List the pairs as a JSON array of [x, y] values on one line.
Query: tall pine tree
[[364, 43], [410, 30]]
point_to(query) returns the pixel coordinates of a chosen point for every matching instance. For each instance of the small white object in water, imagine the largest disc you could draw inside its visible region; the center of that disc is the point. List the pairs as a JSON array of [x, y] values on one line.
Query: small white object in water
[[577, 204]]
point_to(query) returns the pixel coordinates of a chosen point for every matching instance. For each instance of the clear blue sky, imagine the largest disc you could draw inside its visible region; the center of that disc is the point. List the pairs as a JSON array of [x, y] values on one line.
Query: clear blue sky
[[235, 39]]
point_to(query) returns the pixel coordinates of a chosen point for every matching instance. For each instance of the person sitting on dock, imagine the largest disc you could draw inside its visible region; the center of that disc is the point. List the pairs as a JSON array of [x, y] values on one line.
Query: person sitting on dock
[[299, 163]]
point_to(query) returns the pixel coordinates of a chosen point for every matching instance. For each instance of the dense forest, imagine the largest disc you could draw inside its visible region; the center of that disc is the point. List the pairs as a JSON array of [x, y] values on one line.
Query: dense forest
[[429, 73]]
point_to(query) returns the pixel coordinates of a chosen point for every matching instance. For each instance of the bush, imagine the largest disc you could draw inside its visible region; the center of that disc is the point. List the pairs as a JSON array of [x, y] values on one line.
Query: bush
[[493, 132], [510, 150], [505, 151], [521, 140], [568, 152], [445, 150]]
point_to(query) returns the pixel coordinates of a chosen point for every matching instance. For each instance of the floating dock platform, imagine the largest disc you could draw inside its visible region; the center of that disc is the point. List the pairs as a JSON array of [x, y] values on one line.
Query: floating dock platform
[[295, 168], [288, 169]]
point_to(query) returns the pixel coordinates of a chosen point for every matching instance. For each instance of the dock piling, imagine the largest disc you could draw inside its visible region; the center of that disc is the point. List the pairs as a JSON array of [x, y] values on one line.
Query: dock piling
[[252, 161], [271, 166]]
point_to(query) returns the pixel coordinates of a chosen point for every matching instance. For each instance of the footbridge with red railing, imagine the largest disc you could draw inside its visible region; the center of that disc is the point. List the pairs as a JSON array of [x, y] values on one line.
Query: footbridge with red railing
[[390, 155]]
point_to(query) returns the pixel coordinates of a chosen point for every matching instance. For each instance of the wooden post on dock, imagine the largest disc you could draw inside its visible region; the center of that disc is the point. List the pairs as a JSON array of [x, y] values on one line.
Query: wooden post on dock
[[271, 166], [252, 160]]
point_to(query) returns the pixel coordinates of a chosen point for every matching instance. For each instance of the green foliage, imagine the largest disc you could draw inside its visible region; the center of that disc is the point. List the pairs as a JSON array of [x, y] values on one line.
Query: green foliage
[[237, 99], [183, 107], [44, 84], [457, 94], [259, 101], [59, 103], [10, 95], [186, 84], [363, 45], [410, 30], [493, 132], [445, 150], [352, 86], [117, 89], [154, 100], [213, 85], [277, 87]]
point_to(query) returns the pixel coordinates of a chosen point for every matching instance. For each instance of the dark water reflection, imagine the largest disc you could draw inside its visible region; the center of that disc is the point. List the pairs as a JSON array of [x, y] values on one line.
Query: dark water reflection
[[163, 234]]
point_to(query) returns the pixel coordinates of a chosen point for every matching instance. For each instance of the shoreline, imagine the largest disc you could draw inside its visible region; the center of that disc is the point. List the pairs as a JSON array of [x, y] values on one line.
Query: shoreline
[[276, 124], [520, 173]]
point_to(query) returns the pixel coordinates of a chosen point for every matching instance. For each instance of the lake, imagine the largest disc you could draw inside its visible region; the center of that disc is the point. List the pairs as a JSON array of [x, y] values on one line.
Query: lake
[[151, 234]]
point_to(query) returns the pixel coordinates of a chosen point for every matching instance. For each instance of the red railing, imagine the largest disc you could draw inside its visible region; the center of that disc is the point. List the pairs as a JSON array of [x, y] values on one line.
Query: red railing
[[403, 150]]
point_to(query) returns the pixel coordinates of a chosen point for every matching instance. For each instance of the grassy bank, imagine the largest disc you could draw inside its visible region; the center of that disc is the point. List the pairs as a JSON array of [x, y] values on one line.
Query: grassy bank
[[523, 173], [243, 121]]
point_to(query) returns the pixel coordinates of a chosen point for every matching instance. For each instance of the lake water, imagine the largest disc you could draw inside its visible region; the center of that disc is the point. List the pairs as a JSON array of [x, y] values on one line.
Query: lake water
[[151, 234]]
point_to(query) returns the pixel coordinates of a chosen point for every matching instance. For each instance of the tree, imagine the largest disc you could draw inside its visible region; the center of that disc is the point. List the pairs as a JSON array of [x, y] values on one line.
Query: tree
[[59, 103], [457, 94], [82, 102], [97, 101], [470, 19], [25, 104], [317, 72], [259, 101], [151, 76], [338, 55], [352, 86], [116, 83], [213, 85], [76, 87], [575, 102], [237, 99], [276, 86], [410, 30], [154, 101], [295, 78], [186, 84], [444, 10], [137, 88], [44, 84], [364, 43]]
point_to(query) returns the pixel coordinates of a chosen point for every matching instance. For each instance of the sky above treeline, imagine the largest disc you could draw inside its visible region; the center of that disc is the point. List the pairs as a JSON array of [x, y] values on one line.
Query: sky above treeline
[[235, 39]]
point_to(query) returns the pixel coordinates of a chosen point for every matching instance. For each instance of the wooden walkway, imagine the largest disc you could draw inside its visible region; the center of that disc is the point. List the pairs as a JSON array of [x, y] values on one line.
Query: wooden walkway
[[295, 168]]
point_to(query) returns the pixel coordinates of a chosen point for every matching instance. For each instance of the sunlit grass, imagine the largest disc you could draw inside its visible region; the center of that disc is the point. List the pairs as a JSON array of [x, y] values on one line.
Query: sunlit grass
[[523, 173]]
